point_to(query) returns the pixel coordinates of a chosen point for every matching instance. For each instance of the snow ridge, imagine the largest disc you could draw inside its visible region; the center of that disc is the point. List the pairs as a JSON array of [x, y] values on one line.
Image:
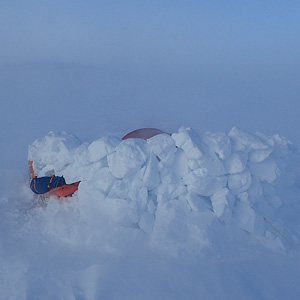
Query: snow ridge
[[177, 189]]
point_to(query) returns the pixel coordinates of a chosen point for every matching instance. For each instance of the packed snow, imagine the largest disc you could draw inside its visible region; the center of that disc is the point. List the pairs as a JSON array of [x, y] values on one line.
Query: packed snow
[[177, 216]]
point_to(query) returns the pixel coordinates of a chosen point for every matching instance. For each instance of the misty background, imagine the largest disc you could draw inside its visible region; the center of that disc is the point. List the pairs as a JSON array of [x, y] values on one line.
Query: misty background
[[108, 67]]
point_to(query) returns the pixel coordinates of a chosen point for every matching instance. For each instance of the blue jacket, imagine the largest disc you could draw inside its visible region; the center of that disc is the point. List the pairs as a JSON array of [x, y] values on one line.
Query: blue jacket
[[43, 185]]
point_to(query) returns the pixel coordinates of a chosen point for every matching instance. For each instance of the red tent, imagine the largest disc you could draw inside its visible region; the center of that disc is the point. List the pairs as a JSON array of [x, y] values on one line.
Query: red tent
[[143, 133]]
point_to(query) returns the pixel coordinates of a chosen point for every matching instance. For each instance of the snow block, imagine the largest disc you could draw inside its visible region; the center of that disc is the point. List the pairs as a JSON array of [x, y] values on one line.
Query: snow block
[[244, 141], [104, 180], [283, 147], [204, 185], [257, 156], [245, 216], [163, 146], [210, 164], [102, 147], [234, 164], [219, 143], [198, 203], [189, 141], [151, 177], [267, 170], [238, 183], [52, 153], [128, 157], [166, 192], [146, 222], [222, 203]]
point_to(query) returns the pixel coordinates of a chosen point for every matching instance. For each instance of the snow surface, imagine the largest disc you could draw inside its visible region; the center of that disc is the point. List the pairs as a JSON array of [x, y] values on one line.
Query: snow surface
[[180, 216], [217, 217]]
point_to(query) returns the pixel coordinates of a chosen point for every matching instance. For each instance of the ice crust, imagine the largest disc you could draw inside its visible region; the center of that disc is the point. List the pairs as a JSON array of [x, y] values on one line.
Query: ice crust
[[174, 188]]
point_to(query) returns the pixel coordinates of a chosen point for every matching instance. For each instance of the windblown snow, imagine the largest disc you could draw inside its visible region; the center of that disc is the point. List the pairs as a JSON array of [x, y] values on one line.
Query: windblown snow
[[221, 201]]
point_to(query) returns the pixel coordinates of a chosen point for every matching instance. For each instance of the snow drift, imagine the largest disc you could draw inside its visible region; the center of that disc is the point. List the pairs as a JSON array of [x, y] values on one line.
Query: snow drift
[[180, 216], [183, 192]]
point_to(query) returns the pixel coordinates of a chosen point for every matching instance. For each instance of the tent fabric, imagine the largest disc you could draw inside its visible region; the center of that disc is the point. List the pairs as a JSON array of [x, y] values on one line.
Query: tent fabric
[[143, 133]]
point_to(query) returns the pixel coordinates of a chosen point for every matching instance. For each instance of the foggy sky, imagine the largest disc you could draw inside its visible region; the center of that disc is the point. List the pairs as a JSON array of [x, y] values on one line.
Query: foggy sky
[[96, 67], [182, 33]]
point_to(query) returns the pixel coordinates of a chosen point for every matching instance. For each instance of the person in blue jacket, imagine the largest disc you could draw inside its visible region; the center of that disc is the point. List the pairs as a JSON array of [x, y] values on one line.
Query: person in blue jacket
[[42, 185]]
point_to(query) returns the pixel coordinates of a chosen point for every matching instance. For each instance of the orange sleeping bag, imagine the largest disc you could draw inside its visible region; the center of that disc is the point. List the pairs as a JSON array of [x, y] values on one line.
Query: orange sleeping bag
[[65, 190]]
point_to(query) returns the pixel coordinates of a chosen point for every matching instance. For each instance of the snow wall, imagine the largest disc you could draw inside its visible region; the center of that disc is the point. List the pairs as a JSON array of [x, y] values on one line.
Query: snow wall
[[181, 193]]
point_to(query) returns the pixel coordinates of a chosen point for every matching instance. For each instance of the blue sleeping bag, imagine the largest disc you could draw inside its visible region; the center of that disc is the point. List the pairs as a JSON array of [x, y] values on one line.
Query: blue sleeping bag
[[43, 185]]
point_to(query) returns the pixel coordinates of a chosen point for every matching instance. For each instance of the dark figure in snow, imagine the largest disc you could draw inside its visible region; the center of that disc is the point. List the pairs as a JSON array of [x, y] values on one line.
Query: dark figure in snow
[[42, 185]]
